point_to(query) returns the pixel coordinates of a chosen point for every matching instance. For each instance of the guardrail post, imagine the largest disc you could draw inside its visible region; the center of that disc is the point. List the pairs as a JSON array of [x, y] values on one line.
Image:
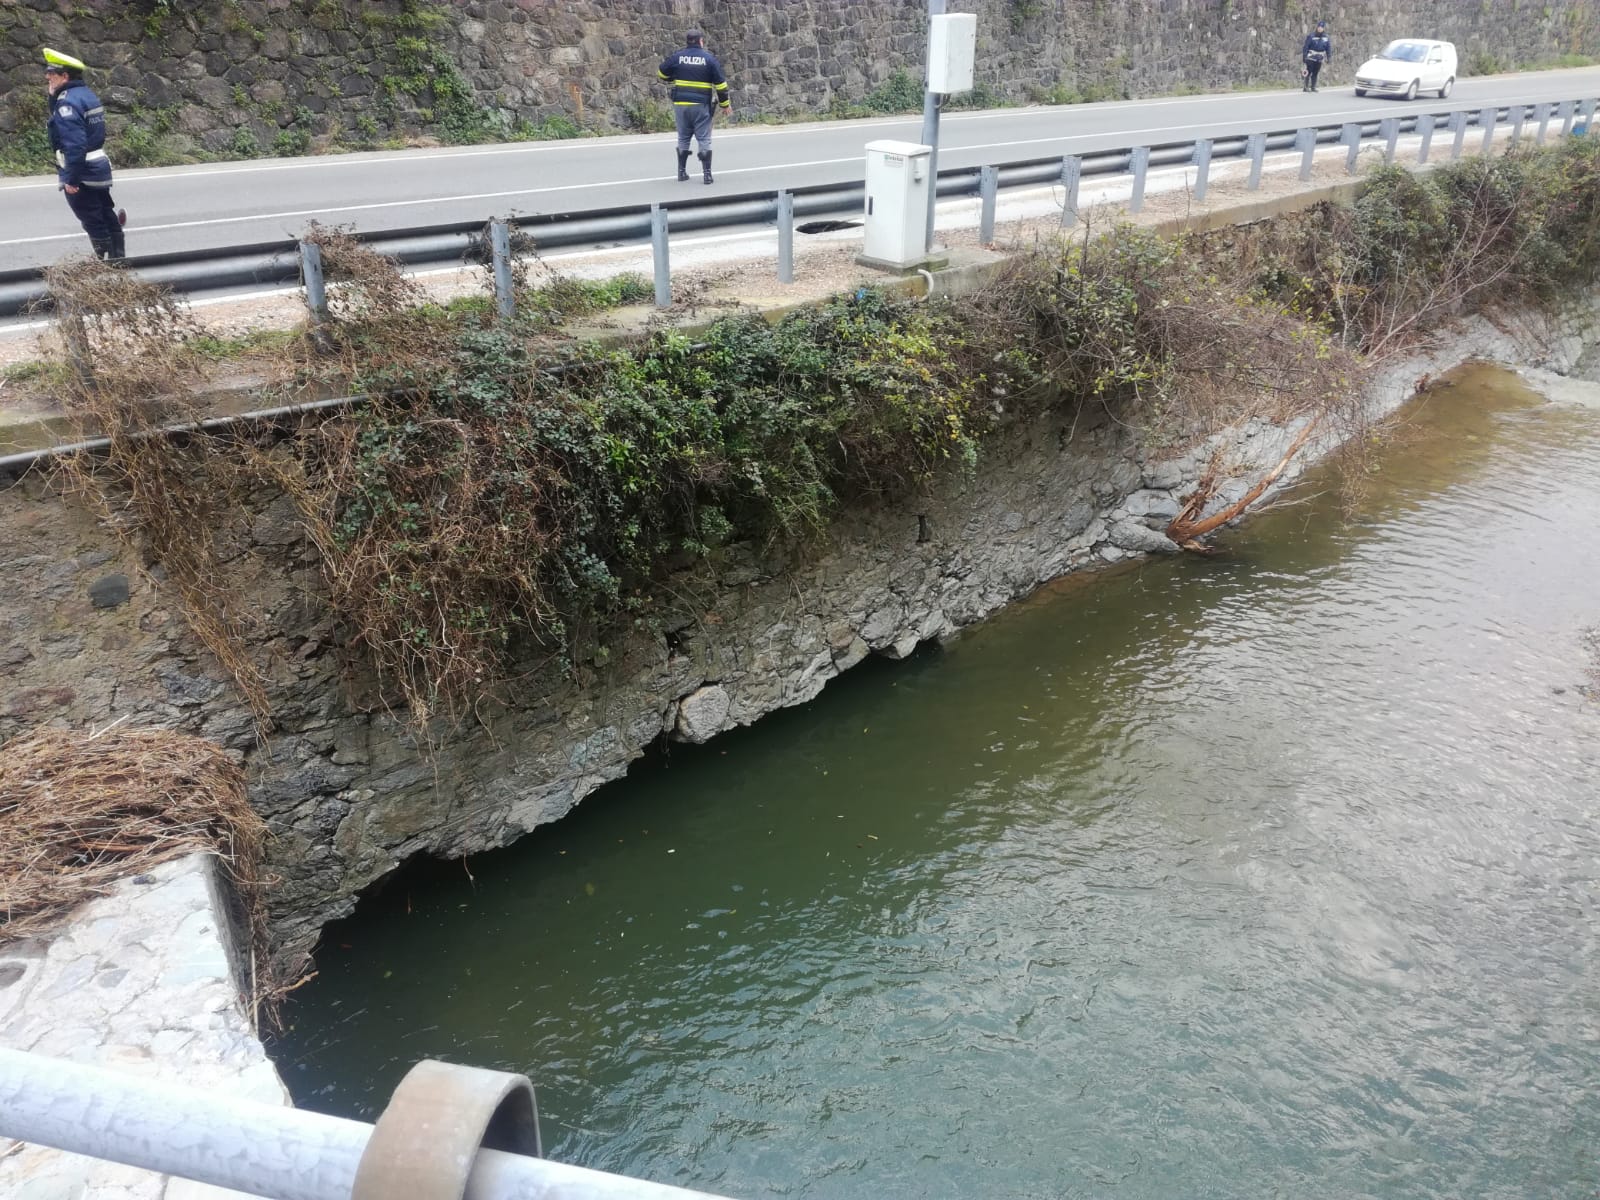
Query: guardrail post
[[1350, 135], [1487, 120], [76, 335], [1458, 128], [505, 294], [1140, 164], [1541, 114], [1305, 141], [989, 195], [1518, 114], [1425, 125], [658, 254], [311, 279], [1202, 169], [1256, 148], [1586, 111], [785, 237], [1071, 179], [1566, 110], [1389, 131]]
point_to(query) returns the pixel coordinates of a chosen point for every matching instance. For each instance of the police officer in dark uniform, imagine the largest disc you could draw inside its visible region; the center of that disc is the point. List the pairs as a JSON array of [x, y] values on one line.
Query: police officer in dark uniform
[[78, 137], [1316, 52], [698, 86]]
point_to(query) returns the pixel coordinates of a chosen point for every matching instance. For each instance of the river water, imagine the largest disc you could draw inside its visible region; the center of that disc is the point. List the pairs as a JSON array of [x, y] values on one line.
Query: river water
[[1267, 875]]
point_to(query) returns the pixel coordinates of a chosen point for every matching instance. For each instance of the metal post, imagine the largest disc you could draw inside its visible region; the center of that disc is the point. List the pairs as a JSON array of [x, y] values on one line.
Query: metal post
[[259, 1149], [1458, 126], [76, 335], [1518, 113], [1425, 128], [989, 194], [785, 237], [1567, 110], [505, 295], [1071, 178], [1541, 114], [1389, 131], [1256, 147], [930, 128], [658, 253], [1305, 141], [1140, 163], [311, 277], [1350, 135], [1586, 111], [1488, 119], [1202, 169]]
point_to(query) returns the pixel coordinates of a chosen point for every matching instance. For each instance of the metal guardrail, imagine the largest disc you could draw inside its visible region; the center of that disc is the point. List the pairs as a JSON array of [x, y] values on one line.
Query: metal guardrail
[[278, 263], [450, 1133]]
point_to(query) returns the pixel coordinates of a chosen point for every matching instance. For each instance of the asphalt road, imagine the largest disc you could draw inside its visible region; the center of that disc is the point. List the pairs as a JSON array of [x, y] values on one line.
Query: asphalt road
[[239, 204]]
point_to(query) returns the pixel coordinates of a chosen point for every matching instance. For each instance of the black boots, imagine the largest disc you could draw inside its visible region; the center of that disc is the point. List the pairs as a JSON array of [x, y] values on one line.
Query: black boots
[[683, 166], [705, 165]]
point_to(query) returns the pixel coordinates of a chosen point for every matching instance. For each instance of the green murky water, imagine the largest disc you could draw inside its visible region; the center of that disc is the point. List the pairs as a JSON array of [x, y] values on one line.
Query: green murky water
[[1273, 875]]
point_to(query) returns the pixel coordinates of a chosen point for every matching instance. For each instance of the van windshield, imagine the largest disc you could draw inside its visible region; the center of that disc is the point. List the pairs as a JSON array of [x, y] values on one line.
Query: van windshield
[[1406, 51]]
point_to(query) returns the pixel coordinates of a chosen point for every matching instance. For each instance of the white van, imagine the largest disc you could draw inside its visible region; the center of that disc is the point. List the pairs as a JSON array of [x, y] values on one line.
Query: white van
[[1409, 66]]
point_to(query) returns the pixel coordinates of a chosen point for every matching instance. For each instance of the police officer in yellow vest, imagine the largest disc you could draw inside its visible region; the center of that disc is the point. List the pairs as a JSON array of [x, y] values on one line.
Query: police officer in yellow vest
[[78, 137], [698, 85]]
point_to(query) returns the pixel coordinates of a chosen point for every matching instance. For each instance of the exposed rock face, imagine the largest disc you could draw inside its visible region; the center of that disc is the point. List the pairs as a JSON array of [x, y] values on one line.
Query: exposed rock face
[[348, 795], [703, 714], [264, 66]]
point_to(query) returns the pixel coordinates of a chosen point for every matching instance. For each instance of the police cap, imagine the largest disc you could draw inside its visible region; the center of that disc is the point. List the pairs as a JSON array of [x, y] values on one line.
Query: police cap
[[54, 60]]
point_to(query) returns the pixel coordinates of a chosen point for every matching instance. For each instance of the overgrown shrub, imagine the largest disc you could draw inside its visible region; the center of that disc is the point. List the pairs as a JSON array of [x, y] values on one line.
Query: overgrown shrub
[[27, 151], [484, 507], [489, 505], [1416, 248], [901, 92]]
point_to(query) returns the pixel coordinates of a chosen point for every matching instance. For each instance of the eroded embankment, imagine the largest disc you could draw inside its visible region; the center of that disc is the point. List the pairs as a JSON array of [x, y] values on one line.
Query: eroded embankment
[[676, 539]]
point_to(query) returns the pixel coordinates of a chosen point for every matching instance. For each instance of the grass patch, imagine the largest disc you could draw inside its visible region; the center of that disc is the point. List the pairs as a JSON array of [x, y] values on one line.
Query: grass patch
[[257, 342]]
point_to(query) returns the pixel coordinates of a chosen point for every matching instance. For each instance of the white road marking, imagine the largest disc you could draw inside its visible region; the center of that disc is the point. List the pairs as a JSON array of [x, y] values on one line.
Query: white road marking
[[1153, 132], [602, 143], [1159, 179]]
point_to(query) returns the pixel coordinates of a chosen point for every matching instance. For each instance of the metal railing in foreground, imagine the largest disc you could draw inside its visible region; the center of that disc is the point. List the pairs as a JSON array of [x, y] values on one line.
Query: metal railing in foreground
[[449, 1133], [279, 263]]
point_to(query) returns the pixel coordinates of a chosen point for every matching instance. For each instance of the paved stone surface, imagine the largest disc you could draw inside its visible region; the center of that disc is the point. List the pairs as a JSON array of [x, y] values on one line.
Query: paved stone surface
[[140, 981]]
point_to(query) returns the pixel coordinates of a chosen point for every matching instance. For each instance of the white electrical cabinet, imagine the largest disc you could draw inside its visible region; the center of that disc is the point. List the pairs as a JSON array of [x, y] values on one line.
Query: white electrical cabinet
[[952, 47], [897, 203]]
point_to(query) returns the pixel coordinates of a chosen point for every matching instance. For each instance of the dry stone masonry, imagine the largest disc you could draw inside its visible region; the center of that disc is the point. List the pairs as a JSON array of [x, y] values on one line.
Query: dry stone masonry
[[225, 76], [87, 638]]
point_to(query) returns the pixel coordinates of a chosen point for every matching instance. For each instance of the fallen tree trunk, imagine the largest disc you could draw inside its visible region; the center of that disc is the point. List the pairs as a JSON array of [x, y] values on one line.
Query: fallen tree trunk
[[1188, 527]]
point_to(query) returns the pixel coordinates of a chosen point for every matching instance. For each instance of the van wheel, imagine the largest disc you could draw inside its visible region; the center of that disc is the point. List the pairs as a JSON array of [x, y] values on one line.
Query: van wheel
[[1445, 90], [1411, 92], [1361, 91]]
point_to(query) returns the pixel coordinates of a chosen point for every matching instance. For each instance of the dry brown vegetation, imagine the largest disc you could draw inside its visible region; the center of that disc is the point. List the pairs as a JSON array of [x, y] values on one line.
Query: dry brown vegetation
[[78, 811], [488, 504], [157, 483]]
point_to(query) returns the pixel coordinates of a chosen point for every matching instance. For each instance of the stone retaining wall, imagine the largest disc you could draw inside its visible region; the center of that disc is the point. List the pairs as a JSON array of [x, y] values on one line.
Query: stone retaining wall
[[85, 639], [201, 71]]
